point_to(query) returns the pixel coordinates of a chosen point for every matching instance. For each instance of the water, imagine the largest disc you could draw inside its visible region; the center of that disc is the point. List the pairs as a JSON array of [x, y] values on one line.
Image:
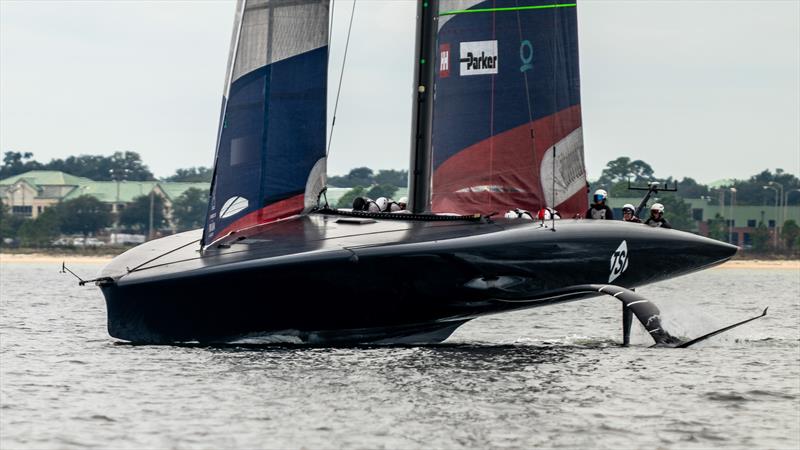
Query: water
[[552, 377]]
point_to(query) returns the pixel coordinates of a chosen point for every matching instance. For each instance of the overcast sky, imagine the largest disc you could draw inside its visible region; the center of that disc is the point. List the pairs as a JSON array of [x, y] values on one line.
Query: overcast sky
[[707, 89]]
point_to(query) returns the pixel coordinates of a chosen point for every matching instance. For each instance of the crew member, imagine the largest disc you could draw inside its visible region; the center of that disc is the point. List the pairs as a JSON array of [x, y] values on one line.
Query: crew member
[[599, 209], [365, 204], [629, 214], [548, 213], [656, 218], [518, 213]]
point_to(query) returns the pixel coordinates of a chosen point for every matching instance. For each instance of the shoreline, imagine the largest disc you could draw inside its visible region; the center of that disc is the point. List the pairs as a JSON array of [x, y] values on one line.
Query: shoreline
[[45, 258]]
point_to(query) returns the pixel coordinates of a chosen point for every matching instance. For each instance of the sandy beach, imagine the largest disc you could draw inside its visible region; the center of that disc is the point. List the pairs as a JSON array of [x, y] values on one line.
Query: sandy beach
[[40, 258]]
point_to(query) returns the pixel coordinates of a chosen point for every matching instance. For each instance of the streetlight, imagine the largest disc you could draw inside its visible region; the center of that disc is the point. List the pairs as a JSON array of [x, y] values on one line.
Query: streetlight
[[779, 220], [776, 213], [117, 175], [733, 221]]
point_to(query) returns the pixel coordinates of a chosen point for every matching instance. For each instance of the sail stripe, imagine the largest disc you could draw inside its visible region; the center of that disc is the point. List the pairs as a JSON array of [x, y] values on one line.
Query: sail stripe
[[512, 8]]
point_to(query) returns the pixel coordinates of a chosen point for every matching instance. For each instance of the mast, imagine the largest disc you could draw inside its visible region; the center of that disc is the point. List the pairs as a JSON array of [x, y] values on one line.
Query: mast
[[419, 185]]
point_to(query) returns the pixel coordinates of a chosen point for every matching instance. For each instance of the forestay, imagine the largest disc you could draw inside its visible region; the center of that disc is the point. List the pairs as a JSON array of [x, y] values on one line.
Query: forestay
[[507, 115], [270, 159]]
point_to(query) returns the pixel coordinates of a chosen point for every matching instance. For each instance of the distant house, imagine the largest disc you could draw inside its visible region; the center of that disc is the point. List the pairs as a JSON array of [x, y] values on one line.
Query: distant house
[[30, 193]]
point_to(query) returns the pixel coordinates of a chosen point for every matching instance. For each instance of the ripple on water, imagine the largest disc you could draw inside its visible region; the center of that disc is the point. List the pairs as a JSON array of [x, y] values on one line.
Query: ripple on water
[[553, 377]]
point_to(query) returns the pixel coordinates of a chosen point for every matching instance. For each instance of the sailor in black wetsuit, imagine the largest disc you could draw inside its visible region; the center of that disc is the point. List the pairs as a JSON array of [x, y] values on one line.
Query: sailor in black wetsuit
[[599, 209], [656, 218], [629, 214]]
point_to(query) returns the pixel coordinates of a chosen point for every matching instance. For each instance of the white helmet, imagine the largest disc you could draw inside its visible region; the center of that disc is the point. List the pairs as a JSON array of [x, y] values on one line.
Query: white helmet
[[630, 207], [382, 202], [517, 213], [600, 195], [657, 207]]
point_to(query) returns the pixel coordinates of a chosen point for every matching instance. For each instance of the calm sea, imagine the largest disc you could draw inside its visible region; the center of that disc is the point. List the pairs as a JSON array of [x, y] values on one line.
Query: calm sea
[[550, 377]]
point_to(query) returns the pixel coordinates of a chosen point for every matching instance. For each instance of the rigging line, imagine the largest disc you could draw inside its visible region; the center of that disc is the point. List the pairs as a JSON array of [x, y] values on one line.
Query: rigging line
[[553, 132], [341, 77], [527, 66], [330, 26]]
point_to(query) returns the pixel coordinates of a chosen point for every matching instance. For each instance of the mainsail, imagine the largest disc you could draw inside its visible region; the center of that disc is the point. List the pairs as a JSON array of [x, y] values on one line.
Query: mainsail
[[507, 115], [270, 160]]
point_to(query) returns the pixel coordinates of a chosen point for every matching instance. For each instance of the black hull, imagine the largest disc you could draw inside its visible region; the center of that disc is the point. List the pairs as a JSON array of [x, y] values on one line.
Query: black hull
[[316, 281]]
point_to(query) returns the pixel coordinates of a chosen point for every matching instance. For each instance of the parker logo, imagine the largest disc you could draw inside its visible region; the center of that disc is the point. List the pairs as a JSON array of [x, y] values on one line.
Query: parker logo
[[478, 58], [444, 60]]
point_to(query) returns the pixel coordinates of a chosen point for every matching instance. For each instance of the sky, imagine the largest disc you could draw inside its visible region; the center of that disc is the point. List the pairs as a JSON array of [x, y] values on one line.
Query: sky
[[705, 89]]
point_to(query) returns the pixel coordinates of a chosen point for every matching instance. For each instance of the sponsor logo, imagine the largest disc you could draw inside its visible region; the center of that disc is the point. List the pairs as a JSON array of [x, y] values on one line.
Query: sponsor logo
[[526, 55], [444, 60], [619, 261], [478, 58], [569, 173], [233, 206]]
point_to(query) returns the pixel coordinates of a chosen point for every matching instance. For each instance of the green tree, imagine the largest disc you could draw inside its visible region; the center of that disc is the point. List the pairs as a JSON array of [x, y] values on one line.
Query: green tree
[[15, 163], [690, 188], [192, 174], [677, 212], [346, 201], [84, 215], [360, 176], [124, 165], [752, 192], [9, 223], [136, 215], [189, 209], [41, 231], [761, 238], [383, 190], [718, 228], [622, 169], [790, 233], [398, 178]]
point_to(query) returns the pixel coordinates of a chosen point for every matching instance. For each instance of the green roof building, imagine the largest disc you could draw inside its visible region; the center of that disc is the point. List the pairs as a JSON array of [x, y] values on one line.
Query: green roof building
[[30, 193]]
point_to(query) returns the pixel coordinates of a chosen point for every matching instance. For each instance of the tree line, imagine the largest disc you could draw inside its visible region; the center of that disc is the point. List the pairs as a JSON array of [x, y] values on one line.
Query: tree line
[[748, 192], [86, 215], [189, 209], [115, 167]]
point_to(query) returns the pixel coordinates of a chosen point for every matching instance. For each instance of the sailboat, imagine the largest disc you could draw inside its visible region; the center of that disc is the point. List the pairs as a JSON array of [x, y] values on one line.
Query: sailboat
[[496, 126]]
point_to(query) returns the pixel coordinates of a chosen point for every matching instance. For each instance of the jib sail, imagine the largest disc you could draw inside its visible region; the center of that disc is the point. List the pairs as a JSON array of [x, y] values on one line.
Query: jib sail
[[270, 159], [507, 114]]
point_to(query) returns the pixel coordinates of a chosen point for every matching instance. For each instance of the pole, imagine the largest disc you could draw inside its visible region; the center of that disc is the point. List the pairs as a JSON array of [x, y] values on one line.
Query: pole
[[419, 187], [775, 229], [780, 218], [150, 225], [733, 221], [777, 211]]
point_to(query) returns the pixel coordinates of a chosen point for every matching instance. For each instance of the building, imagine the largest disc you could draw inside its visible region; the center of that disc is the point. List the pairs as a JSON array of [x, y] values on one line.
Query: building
[[30, 193]]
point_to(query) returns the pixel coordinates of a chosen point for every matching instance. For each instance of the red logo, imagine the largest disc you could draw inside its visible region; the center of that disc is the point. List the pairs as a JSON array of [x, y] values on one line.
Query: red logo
[[444, 60]]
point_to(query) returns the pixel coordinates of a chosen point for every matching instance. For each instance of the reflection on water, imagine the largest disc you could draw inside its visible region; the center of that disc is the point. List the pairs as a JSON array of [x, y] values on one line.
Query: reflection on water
[[548, 377]]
